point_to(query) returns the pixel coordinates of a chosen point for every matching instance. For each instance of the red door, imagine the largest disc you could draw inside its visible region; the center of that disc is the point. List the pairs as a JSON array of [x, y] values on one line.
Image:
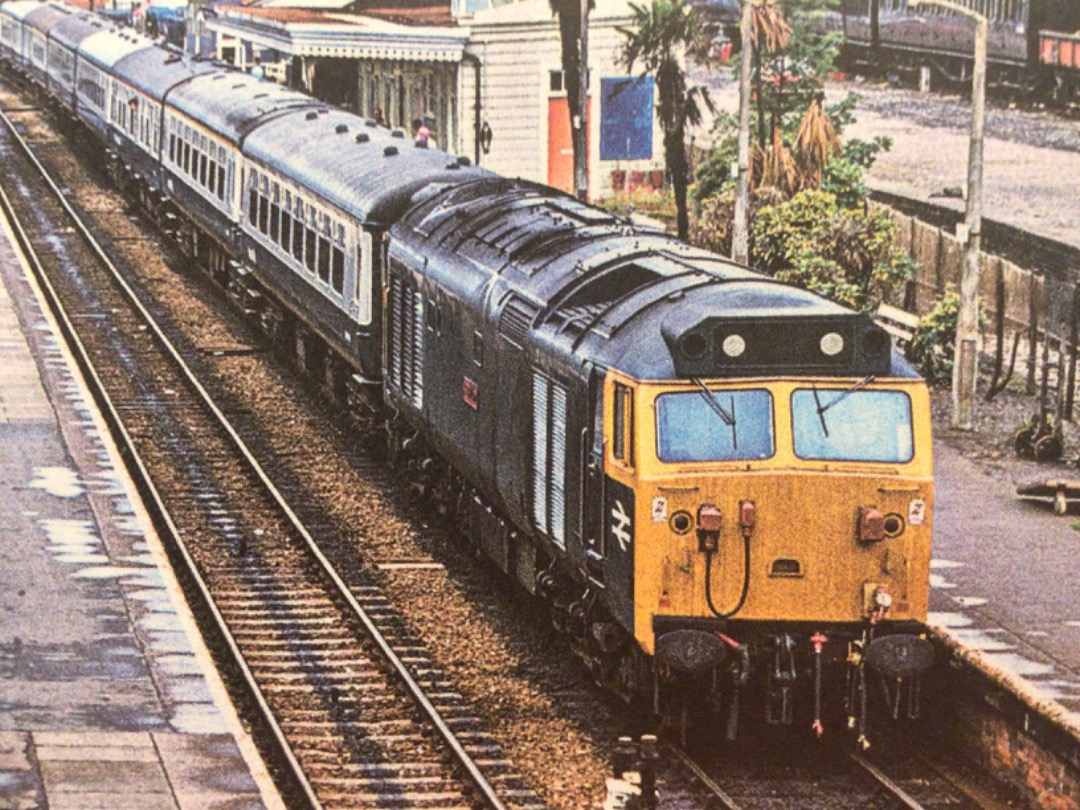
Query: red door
[[561, 145]]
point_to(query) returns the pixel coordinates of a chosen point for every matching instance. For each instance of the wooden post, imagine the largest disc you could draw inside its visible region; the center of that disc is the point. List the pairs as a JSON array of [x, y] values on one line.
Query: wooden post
[[1033, 331], [1074, 329], [740, 237], [581, 114], [966, 359]]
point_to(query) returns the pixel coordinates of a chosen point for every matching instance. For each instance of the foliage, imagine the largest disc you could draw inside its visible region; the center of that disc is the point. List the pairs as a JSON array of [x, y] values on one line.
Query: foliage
[[843, 175], [846, 254], [932, 346], [659, 203], [712, 228], [660, 35]]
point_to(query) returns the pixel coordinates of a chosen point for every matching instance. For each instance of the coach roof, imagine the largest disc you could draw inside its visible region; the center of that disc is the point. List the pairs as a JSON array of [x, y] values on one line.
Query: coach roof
[[77, 27], [359, 167], [106, 48], [18, 9], [47, 16], [232, 104], [156, 70]]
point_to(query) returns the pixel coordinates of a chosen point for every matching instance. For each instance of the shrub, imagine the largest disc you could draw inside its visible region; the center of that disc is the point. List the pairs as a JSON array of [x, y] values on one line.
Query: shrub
[[932, 347], [846, 254]]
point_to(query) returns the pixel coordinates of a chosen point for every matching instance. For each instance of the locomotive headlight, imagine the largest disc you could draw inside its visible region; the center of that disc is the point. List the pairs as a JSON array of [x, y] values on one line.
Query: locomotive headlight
[[734, 345], [832, 344]]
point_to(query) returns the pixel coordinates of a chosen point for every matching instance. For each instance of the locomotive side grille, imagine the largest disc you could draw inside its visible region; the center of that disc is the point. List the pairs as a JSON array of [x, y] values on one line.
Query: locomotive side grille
[[516, 320], [549, 458], [557, 478], [406, 340], [416, 382], [540, 451], [394, 349]]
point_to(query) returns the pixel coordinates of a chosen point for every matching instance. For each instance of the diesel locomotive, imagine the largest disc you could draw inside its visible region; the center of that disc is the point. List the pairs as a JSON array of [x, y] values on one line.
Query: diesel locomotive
[[721, 484]]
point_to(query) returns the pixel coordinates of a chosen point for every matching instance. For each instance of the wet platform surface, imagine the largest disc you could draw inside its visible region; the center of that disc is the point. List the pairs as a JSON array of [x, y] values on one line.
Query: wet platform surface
[[107, 697]]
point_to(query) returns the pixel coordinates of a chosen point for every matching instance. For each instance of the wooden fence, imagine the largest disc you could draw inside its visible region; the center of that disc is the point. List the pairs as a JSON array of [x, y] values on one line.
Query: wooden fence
[[1040, 313]]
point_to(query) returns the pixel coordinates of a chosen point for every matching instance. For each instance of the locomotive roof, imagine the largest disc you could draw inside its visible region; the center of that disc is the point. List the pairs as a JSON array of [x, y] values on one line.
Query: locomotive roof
[[587, 284], [232, 103], [106, 48], [156, 70], [18, 9], [77, 27], [359, 167]]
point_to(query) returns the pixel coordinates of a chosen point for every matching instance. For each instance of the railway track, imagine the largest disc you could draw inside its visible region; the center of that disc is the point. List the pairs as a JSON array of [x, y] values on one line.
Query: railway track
[[829, 780], [351, 708], [294, 648]]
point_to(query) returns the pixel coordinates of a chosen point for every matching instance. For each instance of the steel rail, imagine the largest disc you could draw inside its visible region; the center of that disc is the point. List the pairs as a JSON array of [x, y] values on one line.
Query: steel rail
[[477, 777], [898, 792], [703, 777], [148, 491]]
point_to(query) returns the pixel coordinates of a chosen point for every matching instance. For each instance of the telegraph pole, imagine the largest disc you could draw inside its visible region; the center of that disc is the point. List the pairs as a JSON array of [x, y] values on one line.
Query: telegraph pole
[[966, 358], [740, 234], [580, 133]]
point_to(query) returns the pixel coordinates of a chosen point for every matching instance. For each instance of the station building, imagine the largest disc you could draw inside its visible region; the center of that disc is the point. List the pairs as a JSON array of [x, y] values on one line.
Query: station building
[[483, 75]]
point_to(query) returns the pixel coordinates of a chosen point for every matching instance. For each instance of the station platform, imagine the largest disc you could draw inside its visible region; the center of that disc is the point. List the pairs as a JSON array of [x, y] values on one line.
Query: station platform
[[108, 698], [1004, 584]]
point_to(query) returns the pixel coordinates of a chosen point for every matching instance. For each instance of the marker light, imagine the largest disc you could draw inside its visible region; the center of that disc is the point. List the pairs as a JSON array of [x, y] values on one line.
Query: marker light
[[734, 345], [832, 344]]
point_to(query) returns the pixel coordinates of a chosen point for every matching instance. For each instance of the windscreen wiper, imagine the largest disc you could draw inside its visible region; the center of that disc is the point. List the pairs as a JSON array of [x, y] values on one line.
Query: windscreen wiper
[[718, 409], [865, 381]]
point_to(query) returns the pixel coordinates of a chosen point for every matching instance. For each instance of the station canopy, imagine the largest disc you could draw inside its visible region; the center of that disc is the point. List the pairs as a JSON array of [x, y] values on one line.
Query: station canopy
[[425, 34]]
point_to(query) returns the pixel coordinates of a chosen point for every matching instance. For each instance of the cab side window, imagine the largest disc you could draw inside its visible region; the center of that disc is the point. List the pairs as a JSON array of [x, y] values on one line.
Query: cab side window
[[622, 424]]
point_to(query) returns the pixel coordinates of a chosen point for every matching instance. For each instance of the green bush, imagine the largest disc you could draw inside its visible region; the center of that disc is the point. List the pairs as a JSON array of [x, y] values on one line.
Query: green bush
[[847, 254], [932, 347]]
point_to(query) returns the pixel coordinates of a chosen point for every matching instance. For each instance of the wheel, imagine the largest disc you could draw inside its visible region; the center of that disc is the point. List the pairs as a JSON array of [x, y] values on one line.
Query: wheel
[[1022, 442], [1048, 448]]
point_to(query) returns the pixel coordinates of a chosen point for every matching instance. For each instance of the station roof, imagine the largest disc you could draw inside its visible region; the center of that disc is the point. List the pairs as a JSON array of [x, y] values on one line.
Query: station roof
[[417, 33]]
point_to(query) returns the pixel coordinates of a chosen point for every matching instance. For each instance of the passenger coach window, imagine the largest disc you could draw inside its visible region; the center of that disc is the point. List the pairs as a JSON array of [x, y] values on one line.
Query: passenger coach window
[[836, 424], [714, 425]]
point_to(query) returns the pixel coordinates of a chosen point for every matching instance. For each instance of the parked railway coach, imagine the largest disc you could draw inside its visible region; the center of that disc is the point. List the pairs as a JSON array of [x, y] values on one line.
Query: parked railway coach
[[893, 33], [705, 470], [722, 484]]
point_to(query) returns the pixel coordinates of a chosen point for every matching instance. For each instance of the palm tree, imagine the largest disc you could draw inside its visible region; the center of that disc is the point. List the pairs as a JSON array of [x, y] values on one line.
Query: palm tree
[[662, 35], [574, 37]]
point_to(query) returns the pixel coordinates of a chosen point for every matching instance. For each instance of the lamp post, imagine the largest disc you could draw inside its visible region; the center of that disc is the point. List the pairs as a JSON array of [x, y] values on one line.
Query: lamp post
[[966, 358]]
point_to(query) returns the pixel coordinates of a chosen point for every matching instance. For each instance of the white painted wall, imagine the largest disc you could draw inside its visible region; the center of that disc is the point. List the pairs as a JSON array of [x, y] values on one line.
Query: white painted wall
[[518, 45]]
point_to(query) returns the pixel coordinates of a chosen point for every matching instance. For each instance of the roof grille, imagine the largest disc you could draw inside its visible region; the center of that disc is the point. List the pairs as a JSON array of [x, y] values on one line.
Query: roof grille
[[362, 137], [341, 129], [516, 320], [311, 116], [390, 151]]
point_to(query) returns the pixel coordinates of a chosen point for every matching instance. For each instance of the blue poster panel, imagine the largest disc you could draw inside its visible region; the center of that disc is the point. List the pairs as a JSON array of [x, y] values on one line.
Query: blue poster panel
[[626, 118]]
